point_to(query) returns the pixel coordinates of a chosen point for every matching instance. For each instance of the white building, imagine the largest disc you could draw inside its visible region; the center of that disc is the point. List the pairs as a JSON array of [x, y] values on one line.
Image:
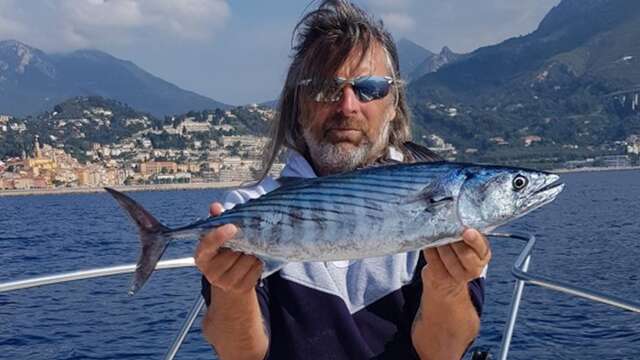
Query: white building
[[191, 126], [633, 144]]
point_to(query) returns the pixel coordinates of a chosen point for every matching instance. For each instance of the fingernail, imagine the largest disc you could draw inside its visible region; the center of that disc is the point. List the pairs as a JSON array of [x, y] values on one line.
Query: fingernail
[[228, 230], [469, 234]]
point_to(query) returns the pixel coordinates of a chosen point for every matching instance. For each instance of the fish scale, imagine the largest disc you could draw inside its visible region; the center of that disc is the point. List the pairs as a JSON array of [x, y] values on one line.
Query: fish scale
[[369, 212]]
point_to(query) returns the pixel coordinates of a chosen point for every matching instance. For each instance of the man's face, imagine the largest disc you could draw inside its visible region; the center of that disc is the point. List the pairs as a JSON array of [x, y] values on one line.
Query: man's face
[[345, 134]]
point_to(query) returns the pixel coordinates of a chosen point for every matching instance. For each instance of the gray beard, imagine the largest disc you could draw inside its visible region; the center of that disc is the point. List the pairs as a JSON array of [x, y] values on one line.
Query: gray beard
[[330, 158]]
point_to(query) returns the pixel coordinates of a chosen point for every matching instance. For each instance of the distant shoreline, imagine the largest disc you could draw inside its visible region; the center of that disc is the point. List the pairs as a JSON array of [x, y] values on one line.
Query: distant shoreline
[[88, 190], [220, 185], [595, 169]]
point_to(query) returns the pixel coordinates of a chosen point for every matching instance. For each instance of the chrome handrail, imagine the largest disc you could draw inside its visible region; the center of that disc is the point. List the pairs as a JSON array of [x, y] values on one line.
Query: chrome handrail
[[520, 272], [186, 326], [90, 273], [110, 271]]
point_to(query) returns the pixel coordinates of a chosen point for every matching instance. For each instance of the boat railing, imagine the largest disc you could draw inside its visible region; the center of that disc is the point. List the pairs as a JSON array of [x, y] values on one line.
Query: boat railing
[[519, 271], [111, 271]]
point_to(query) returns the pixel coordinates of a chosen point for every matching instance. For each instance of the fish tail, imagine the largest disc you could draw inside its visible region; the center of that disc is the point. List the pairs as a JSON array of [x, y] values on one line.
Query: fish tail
[[154, 238]]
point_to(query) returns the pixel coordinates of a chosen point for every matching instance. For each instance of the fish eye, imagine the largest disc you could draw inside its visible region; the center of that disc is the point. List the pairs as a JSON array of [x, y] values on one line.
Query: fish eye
[[519, 182]]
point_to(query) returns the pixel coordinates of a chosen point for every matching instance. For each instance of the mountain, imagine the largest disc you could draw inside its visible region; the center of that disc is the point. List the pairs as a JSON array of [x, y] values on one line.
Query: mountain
[[434, 62], [572, 85], [411, 55], [416, 61], [32, 81], [271, 104]]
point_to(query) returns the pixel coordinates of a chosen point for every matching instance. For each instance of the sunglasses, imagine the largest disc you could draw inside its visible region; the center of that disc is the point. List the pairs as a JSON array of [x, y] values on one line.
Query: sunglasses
[[367, 88]]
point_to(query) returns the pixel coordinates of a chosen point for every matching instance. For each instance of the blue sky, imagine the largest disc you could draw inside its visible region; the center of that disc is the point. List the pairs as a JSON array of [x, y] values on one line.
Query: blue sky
[[237, 52]]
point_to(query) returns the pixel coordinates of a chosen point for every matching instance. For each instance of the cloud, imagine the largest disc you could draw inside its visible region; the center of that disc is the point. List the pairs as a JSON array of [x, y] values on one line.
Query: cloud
[[394, 13], [463, 25], [7, 24], [71, 24], [389, 4], [199, 45], [398, 22], [102, 14]]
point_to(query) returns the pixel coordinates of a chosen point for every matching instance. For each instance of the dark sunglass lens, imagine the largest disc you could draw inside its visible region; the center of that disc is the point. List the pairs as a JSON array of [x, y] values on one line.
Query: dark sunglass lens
[[372, 88], [329, 92]]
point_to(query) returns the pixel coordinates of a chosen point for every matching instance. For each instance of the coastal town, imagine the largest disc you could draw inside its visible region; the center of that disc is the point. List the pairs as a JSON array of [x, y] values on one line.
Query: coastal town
[[74, 148], [227, 158], [53, 168]]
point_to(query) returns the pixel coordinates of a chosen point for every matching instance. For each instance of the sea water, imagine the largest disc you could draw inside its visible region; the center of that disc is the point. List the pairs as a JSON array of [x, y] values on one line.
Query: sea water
[[590, 236]]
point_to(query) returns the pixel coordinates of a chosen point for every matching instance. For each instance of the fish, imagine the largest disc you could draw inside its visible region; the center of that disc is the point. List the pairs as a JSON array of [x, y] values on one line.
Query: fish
[[369, 212]]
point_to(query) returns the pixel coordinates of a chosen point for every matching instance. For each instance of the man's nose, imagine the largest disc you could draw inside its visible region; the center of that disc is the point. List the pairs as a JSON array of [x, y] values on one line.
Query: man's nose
[[349, 102]]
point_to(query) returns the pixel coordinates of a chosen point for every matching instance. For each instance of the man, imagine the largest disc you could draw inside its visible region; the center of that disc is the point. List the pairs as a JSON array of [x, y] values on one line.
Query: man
[[342, 107]]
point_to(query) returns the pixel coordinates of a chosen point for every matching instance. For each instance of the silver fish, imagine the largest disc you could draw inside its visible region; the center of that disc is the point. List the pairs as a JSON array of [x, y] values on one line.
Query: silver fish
[[364, 213]]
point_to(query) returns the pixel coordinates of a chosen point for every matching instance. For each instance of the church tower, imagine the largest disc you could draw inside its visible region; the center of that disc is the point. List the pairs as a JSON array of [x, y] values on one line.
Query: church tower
[[36, 147]]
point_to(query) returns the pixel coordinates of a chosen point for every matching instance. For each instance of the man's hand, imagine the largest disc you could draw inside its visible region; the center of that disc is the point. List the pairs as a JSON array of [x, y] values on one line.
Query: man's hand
[[450, 267], [447, 322], [233, 323], [227, 270]]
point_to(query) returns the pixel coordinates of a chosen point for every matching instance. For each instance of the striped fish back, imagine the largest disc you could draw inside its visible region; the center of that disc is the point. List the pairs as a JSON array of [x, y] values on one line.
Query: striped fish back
[[323, 214]]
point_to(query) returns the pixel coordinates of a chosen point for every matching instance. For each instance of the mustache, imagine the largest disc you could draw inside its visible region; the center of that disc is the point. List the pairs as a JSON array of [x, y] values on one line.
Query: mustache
[[343, 122]]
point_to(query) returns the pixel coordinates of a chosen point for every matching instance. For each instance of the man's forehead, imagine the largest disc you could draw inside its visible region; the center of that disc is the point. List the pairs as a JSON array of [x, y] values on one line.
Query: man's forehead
[[372, 60]]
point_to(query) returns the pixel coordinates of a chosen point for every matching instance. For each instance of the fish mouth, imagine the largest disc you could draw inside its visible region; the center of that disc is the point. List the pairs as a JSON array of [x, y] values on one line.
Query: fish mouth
[[545, 194], [551, 185]]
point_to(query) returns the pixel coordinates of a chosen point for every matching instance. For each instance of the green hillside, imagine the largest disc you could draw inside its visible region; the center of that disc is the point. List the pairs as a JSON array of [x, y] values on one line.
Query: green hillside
[[571, 83]]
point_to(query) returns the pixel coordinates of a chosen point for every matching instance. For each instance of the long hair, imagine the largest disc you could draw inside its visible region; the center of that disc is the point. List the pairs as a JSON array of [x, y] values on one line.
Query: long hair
[[321, 43]]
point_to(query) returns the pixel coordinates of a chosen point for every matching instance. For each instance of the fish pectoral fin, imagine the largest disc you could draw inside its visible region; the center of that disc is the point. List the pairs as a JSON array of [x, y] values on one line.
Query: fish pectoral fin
[[437, 203], [432, 197], [432, 205], [270, 266]]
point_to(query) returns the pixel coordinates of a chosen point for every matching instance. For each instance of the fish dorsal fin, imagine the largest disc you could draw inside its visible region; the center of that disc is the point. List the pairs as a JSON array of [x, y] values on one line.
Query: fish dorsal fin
[[420, 153], [380, 162], [289, 180], [415, 152], [387, 161]]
